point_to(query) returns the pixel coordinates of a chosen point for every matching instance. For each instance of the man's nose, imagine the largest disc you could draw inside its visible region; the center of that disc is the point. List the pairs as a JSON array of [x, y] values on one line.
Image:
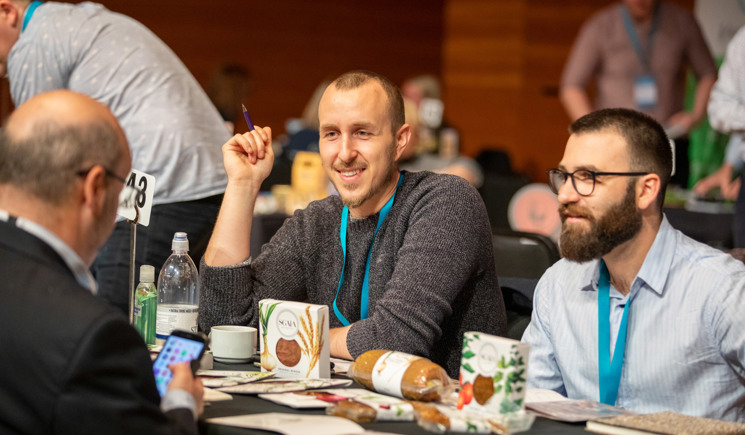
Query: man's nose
[[348, 151], [567, 192]]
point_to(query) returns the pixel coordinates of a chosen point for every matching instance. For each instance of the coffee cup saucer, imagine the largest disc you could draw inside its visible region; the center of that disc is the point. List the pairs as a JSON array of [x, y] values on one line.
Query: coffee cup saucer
[[224, 360]]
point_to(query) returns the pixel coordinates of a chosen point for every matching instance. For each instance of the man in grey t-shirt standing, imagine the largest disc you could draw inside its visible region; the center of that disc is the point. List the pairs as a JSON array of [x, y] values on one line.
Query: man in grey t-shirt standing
[[173, 129]]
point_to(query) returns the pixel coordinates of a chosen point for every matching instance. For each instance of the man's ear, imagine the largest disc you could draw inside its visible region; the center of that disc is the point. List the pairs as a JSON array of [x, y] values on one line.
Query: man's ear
[[9, 13], [647, 188], [94, 189], [403, 136]]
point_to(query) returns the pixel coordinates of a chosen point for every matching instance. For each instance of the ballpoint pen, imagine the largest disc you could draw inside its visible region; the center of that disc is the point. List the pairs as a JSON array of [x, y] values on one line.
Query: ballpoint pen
[[248, 118]]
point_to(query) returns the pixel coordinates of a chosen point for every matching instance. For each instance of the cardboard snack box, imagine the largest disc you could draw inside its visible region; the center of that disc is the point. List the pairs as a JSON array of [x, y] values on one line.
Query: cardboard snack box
[[294, 339], [493, 373]]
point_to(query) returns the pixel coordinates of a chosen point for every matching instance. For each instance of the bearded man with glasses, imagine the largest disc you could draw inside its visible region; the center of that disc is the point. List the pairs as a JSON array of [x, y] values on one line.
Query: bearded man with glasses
[[636, 314]]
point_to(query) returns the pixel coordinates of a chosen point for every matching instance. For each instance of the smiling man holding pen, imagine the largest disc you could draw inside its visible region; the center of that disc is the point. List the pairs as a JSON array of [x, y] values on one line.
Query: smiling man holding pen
[[416, 268]]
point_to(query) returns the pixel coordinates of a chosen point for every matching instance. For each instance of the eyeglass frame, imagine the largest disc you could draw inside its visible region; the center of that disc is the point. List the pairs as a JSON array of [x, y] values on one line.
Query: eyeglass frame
[[593, 174], [109, 173]]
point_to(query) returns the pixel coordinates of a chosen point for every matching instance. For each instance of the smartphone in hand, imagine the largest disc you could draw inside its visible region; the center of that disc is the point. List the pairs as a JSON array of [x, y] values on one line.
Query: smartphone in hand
[[181, 346]]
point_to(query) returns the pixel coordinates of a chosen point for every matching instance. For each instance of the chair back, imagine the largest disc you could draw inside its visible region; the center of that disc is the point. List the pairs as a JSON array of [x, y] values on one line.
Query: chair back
[[521, 259], [497, 191], [523, 255], [517, 294]]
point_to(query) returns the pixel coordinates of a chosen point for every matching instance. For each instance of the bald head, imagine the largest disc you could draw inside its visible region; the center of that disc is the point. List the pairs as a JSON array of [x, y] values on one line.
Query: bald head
[[63, 108], [49, 140]]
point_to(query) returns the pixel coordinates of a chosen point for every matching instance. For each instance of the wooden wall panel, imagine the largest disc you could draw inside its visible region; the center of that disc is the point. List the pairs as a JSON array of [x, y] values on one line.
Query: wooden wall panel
[[548, 40], [482, 71]]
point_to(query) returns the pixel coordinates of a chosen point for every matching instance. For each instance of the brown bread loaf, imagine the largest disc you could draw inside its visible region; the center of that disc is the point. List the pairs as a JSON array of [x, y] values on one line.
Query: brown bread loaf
[[422, 379]]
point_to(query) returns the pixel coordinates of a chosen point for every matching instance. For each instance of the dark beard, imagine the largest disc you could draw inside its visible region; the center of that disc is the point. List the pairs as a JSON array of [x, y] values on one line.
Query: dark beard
[[619, 224]]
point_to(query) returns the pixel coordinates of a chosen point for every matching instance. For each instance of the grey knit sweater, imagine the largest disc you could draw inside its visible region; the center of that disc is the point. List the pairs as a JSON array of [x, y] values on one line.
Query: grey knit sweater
[[432, 273]]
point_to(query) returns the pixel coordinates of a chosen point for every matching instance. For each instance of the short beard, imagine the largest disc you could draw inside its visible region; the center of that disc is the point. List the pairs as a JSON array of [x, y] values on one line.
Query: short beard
[[617, 225], [357, 202], [375, 189]]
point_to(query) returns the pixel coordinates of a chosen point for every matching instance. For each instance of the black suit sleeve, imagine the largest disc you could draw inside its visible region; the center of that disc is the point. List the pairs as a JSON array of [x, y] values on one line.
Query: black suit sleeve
[[109, 386]]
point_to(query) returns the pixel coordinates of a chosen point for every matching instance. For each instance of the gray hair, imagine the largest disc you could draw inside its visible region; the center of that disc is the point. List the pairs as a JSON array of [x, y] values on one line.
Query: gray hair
[[47, 162]]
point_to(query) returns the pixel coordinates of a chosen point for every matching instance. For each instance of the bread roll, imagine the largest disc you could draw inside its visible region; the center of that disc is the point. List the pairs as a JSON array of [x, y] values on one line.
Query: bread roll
[[354, 411]]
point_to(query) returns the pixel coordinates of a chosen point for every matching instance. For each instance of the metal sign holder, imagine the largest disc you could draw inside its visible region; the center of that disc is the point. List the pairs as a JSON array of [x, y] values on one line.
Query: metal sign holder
[[132, 266]]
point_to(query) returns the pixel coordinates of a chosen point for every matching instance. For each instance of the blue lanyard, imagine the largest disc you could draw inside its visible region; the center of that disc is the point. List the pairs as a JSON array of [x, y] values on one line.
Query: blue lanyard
[[609, 373], [29, 12], [343, 237], [631, 31]]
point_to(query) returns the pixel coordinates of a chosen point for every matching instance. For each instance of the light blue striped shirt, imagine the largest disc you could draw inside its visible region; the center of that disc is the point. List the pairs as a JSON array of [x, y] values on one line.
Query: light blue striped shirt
[[685, 349]]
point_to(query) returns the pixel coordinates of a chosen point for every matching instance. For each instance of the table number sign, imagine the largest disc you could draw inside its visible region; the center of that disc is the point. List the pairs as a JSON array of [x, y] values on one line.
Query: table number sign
[[135, 204], [138, 191]]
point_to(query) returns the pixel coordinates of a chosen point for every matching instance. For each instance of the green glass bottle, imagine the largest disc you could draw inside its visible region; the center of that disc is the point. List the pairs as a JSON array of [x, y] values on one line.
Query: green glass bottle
[[146, 305]]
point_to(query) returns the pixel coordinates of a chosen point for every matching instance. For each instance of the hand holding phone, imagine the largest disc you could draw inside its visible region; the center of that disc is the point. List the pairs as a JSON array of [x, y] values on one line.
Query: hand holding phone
[[183, 379], [181, 346]]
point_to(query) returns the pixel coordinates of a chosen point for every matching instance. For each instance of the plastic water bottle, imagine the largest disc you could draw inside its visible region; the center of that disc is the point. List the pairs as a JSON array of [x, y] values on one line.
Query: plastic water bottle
[[146, 303], [178, 291]]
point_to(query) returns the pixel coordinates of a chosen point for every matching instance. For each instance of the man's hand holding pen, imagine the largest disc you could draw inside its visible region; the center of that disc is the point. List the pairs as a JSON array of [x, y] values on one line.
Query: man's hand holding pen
[[248, 158]]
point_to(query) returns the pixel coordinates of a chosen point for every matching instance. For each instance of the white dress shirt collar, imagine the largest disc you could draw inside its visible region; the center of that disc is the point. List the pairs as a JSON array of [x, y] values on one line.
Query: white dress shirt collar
[[656, 267], [78, 267]]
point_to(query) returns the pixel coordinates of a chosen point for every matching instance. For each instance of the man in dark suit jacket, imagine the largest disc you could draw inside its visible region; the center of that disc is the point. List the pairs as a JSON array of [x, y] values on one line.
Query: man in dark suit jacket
[[69, 364]]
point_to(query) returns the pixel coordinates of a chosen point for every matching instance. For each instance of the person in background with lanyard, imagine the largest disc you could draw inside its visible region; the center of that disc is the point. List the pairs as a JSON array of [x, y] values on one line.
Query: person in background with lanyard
[[637, 53], [403, 260], [636, 314]]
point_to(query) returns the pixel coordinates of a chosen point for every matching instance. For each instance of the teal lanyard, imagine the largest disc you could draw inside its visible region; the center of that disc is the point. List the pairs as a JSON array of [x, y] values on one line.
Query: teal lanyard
[[343, 237], [609, 373], [644, 57], [29, 12]]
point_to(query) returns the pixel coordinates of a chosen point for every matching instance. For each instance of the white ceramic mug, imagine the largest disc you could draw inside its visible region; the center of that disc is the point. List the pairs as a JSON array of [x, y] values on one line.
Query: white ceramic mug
[[232, 343]]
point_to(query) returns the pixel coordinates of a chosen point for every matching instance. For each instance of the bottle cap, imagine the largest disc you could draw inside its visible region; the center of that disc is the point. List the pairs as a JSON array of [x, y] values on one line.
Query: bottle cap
[[147, 273], [180, 242]]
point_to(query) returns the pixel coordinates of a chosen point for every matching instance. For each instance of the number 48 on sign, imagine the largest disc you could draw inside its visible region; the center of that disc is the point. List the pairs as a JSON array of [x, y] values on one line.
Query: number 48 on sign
[[137, 193]]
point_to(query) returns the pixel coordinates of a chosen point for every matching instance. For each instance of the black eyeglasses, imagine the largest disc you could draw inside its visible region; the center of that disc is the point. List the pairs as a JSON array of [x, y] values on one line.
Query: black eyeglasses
[[583, 180], [129, 196]]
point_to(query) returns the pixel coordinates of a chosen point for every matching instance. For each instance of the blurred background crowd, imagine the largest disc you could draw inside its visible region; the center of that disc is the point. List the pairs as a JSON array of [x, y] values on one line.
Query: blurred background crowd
[[490, 86]]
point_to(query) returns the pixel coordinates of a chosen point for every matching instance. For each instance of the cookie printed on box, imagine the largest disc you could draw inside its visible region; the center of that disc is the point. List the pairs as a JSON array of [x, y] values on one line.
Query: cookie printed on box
[[294, 339], [493, 374]]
